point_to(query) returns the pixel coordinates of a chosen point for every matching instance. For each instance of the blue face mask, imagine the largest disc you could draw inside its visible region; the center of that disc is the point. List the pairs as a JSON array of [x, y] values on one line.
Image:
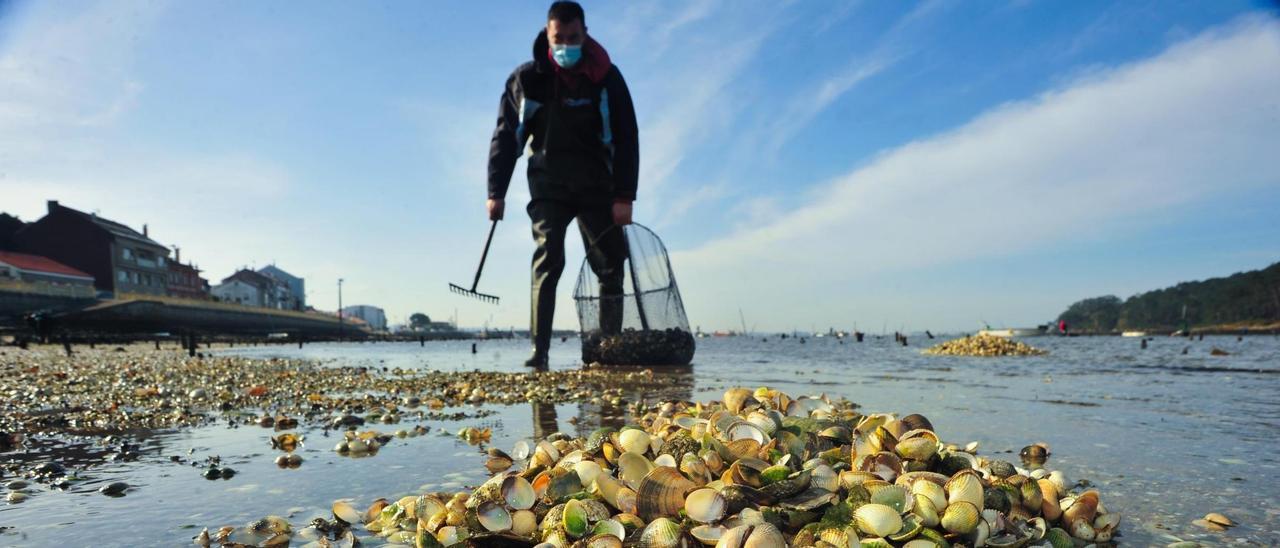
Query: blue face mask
[[566, 56]]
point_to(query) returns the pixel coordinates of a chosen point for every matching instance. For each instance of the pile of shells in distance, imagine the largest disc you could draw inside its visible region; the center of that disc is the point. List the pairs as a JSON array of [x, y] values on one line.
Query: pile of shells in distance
[[984, 345]]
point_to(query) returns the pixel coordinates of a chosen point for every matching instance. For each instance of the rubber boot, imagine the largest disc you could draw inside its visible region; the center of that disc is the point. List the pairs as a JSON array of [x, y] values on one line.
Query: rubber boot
[[538, 360], [549, 222]]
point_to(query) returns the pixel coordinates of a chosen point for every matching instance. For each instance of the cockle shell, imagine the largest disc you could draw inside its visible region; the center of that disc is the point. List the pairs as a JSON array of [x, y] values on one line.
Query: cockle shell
[[660, 533], [965, 486], [960, 517], [877, 520], [760, 535]]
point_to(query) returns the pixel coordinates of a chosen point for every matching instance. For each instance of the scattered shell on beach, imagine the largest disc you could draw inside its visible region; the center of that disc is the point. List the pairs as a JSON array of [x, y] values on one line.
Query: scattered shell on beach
[[105, 391]]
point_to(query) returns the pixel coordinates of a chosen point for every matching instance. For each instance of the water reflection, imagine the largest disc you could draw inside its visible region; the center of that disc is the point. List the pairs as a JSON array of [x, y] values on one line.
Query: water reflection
[[544, 419], [671, 383]]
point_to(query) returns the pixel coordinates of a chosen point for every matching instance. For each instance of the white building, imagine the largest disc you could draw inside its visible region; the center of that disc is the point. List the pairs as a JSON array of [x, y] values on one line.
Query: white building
[[372, 315], [237, 291], [292, 298]]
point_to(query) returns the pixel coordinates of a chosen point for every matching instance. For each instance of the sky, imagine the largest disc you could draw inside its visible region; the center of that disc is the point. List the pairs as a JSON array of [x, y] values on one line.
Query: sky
[[879, 165]]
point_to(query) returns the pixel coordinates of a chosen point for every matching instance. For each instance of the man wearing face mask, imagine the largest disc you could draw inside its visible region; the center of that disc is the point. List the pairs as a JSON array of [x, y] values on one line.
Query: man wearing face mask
[[572, 107]]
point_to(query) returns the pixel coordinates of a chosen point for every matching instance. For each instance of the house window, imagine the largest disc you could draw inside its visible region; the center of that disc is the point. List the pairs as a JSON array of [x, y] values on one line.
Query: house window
[[136, 279], [128, 254], [122, 276]]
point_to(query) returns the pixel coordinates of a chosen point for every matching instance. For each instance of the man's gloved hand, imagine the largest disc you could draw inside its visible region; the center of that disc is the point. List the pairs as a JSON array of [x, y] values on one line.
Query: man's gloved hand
[[622, 213], [497, 206]]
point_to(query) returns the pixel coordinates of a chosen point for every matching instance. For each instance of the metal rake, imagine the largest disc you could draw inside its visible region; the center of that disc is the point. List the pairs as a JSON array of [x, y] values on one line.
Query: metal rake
[[472, 292]]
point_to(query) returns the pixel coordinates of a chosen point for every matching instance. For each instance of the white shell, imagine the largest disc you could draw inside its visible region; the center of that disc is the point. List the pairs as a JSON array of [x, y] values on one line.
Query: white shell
[[704, 505], [587, 471], [634, 441]]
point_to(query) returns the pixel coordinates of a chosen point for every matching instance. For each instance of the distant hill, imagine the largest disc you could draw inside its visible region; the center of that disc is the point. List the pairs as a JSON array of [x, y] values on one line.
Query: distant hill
[[1241, 299]]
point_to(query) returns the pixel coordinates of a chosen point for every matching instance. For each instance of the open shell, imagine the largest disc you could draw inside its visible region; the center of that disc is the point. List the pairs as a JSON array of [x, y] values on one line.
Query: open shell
[[759, 535], [517, 493], [574, 518], [345, 512], [493, 517]]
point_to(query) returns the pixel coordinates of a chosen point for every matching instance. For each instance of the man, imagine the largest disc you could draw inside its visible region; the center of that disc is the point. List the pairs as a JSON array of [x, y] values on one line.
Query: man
[[573, 108]]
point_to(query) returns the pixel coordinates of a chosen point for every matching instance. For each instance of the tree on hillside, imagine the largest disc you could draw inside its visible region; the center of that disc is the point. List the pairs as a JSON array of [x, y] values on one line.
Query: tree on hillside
[[1098, 314], [419, 321], [1252, 296]]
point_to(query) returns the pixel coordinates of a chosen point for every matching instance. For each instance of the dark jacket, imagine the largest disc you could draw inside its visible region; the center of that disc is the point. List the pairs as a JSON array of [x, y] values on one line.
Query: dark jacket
[[583, 137]]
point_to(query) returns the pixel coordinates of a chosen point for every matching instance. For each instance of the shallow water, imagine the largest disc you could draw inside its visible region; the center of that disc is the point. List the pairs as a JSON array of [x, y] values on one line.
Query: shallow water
[[1166, 437]]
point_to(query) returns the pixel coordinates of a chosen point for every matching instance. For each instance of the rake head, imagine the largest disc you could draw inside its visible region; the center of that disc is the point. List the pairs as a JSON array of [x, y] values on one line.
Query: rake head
[[492, 299]]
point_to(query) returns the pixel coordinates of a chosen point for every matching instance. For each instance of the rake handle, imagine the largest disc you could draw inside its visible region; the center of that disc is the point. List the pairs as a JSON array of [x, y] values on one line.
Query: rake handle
[[483, 255]]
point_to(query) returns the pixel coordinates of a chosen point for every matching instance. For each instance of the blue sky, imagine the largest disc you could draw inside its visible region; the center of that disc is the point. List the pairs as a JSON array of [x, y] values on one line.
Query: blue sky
[[921, 165]]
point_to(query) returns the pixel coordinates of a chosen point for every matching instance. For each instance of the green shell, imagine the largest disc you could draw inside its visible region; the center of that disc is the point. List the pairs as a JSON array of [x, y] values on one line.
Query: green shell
[[952, 463], [996, 499], [936, 537], [775, 473], [425, 539], [575, 519], [597, 438], [1058, 538], [564, 486], [679, 445], [786, 488], [858, 495], [1002, 468]]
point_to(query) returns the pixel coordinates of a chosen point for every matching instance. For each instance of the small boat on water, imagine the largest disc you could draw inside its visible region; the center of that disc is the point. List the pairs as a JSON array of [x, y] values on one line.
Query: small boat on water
[[1010, 332], [1133, 334]]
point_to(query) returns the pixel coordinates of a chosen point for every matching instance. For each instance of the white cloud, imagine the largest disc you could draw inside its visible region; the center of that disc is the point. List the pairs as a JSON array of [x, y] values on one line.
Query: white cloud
[[50, 59], [803, 108], [1201, 118], [894, 44]]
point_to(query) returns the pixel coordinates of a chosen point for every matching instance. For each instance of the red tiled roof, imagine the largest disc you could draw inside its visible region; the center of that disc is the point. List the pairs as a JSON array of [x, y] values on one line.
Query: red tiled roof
[[36, 263]]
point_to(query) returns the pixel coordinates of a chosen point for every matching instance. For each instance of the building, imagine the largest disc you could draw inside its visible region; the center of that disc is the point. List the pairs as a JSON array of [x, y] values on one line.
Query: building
[[269, 291], [45, 274], [262, 294], [297, 296], [185, 280], [120, 259], [9, 227], [238, 291], [372, 315], [441, 326]]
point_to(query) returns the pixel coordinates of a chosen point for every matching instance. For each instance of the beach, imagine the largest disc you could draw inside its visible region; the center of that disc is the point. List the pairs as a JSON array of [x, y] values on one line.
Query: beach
[[1166, 437]]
